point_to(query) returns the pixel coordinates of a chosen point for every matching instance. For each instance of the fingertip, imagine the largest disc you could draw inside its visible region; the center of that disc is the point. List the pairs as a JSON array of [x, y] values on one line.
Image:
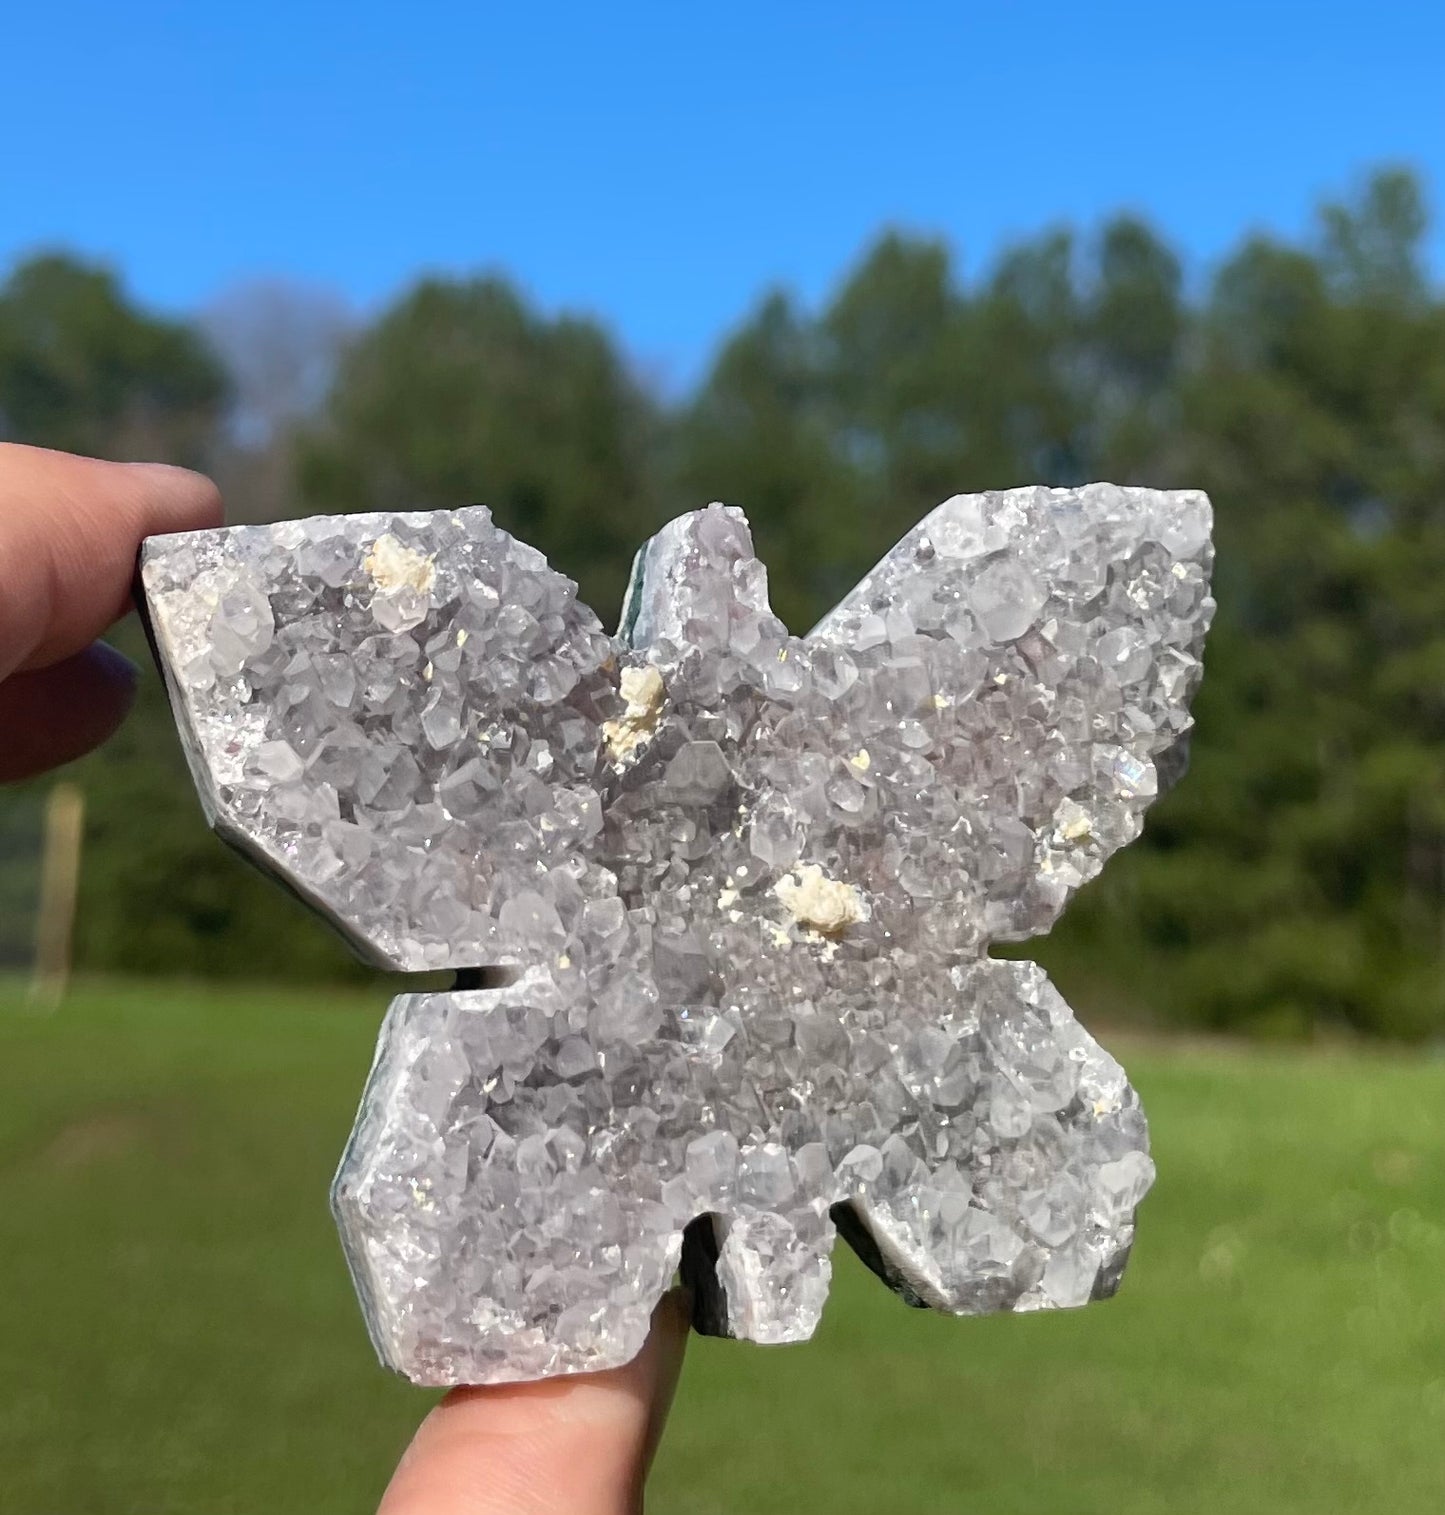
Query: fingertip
[[70, 529], [667, 1344], [177, 499], [667, 1341]]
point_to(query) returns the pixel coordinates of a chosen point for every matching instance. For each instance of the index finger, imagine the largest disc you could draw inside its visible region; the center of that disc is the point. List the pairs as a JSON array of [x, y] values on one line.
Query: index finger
[[69, 531]]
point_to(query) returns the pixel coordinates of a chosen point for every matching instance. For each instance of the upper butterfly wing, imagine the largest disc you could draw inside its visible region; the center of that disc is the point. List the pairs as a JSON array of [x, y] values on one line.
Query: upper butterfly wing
[[1025, 661], [400, 715]]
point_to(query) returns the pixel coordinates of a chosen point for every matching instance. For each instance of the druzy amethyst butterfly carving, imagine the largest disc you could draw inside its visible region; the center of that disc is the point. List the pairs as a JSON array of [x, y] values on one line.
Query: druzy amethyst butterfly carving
[[719, 900]]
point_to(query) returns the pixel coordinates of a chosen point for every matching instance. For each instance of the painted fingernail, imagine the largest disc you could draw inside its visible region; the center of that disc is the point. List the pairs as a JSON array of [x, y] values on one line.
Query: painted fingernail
[[113, 666]]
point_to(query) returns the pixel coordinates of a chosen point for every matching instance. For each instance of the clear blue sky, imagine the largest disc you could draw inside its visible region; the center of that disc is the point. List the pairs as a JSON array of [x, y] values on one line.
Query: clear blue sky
[[658, 164]]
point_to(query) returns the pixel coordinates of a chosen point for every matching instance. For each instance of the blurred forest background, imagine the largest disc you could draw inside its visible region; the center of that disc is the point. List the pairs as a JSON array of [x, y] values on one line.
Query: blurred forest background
[[1295, 883]]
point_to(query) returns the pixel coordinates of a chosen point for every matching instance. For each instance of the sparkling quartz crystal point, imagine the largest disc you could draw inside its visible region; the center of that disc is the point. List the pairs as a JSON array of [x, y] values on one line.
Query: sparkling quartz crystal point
[[746, 883]]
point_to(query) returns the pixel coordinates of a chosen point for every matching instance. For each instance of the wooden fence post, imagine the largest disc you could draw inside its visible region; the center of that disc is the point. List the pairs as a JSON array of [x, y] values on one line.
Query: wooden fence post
[[59, 882]]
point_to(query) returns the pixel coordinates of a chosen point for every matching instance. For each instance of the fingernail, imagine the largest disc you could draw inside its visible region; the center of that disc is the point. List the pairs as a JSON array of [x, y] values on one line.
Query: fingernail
[[113, 666]]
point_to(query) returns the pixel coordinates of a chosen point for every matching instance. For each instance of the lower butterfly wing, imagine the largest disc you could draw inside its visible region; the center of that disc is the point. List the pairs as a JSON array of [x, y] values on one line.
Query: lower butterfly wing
[[1014, 1182], [400, 716], [1025, 661], [495, 1217]]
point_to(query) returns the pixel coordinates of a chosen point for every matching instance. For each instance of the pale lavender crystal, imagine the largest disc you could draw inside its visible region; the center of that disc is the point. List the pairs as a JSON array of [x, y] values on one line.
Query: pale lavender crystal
[[746, 884]]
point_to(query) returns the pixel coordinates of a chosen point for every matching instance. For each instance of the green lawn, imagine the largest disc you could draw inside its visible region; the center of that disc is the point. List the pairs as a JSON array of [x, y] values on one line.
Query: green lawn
[[177, 1332]]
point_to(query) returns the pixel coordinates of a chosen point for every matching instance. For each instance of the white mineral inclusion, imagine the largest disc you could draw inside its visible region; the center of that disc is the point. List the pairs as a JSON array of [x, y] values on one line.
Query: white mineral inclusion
[[393, 567], [747, 881], [643, 690], [403, 579], [822, 904]]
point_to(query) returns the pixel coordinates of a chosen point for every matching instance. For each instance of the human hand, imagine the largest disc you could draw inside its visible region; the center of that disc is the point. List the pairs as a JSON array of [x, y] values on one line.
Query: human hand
[[69, 532]]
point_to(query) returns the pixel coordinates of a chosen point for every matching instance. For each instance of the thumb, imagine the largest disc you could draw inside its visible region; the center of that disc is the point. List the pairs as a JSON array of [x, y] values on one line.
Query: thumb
[[579, 1445]]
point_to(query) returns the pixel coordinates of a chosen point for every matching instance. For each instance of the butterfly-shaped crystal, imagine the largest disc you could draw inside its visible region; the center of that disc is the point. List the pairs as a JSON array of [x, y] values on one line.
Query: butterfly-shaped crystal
[[745, 884]]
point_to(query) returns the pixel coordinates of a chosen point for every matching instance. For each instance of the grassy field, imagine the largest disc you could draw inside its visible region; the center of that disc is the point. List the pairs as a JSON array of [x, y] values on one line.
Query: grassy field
[[177, 1333]]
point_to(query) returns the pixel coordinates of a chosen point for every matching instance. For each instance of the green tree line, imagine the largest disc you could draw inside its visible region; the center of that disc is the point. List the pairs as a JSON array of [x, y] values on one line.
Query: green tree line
[[1295, 881]]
